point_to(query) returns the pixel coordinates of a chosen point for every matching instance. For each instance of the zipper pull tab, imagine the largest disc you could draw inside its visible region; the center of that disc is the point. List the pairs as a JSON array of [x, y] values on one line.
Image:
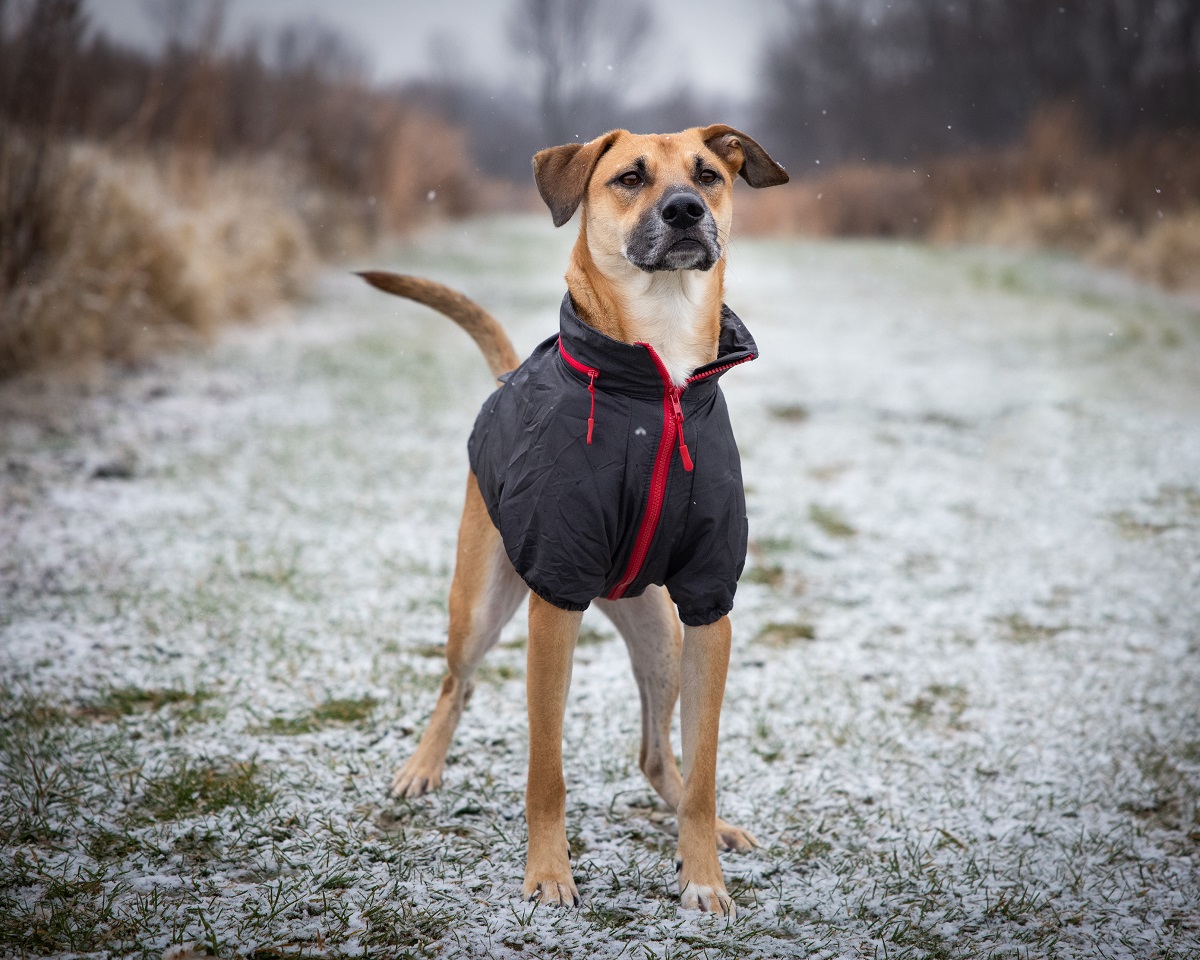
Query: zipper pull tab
[[678, 409], [592, 374]]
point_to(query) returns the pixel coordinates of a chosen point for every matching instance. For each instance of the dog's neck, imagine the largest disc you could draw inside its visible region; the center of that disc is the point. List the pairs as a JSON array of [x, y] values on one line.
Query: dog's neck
[[677, 312]]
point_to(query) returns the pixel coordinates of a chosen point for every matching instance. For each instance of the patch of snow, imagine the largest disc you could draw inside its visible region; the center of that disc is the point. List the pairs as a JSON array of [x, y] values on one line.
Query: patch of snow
[[989, 747]]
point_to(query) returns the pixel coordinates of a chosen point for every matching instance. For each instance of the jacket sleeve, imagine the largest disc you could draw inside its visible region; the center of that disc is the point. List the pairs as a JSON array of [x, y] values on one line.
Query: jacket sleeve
[[542, 486]]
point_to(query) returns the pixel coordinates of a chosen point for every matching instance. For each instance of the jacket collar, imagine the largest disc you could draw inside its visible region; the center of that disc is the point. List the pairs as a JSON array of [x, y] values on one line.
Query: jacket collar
[[630, 368]]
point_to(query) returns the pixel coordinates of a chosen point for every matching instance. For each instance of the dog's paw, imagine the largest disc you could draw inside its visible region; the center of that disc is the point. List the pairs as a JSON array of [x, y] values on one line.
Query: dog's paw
[[415, 779], [704, 889], [734, 839], [707, 899], [558, 891]]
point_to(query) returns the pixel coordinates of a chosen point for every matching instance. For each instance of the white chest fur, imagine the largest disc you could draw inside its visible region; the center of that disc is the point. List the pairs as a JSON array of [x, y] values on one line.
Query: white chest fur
[[669, 310]]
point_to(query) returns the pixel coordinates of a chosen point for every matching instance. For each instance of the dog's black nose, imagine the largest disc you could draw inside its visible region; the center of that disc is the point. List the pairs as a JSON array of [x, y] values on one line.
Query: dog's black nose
[[683, 209]]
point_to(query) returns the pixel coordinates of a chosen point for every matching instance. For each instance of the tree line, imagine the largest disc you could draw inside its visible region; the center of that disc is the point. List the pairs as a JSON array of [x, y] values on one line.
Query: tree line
[[911, 79], [875, 80], [300, 90]]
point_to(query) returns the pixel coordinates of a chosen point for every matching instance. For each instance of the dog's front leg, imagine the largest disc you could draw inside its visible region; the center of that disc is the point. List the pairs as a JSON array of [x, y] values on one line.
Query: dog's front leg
[[703, 666], [552, 635]]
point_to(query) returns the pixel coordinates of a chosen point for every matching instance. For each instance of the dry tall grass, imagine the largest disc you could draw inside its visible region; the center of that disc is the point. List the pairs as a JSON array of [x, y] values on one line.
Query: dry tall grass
[[1135, 207], [148, 198], [128, 250], [127, 259]]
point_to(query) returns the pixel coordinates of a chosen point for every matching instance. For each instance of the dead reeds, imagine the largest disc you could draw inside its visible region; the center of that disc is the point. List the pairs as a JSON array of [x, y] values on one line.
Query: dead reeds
[[1135, 206], [144, 199], [125, 262]]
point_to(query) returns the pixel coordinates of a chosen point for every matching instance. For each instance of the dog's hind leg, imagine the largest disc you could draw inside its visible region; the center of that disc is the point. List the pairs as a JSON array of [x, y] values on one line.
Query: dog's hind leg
[[484, 594], [651, 632]]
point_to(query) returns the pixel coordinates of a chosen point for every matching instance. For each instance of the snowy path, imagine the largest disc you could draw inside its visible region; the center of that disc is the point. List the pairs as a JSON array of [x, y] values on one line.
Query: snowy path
[[963, 712]]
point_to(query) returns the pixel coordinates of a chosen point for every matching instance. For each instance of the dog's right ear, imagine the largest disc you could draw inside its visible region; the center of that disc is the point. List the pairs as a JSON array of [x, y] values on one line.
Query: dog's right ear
[[562, 173]]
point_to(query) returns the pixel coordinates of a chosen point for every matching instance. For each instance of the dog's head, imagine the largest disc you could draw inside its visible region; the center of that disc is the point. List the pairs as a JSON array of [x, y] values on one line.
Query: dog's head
[[665, 201]]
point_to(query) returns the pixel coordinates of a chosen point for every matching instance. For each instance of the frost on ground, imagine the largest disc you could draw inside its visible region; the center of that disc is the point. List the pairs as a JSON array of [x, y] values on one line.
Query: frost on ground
[[962, 712]]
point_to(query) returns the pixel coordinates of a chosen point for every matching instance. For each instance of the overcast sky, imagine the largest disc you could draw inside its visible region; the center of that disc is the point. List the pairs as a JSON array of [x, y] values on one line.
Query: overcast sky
[[704, 44]]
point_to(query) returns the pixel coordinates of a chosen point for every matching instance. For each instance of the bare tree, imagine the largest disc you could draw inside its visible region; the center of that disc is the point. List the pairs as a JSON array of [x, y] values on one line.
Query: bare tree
[[187, 24], [314, 48], [581, 49], [38, 46]]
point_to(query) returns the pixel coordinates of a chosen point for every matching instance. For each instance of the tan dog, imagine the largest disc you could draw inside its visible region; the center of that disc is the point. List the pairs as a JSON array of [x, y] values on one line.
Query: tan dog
[[648, 268]]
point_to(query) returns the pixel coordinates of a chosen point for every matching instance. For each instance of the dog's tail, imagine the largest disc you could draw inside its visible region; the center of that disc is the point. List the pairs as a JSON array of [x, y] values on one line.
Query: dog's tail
[[484, 329]]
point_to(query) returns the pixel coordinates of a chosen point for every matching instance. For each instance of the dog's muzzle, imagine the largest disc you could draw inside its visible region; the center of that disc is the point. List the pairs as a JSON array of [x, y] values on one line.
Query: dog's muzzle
[[678, 233]]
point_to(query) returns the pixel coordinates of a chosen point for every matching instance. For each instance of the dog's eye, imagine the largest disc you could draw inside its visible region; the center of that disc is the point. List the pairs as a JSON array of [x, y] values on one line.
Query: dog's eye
[[707, 176], [630, 179]]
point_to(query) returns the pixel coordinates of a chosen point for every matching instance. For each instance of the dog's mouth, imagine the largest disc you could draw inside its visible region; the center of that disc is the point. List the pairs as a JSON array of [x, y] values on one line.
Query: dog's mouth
[[692, 251], [689, 253]]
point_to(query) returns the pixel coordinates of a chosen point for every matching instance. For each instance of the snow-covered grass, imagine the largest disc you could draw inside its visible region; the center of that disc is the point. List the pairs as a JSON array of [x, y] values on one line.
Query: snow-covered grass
[[963, 712]]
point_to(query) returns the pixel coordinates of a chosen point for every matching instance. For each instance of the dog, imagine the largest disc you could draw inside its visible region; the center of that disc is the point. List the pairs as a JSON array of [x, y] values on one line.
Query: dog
[[603, 470]]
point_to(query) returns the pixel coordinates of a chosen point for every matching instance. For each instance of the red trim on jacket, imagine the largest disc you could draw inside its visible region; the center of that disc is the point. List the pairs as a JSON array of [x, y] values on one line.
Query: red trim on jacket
[[591, 373], [672, 423]]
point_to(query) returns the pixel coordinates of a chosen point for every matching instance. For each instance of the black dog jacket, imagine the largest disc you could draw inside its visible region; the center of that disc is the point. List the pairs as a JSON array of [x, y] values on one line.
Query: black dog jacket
[[603, 477]]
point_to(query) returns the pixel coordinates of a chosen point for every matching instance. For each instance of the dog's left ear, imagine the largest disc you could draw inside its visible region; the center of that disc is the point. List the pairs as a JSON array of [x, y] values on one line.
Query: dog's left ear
[[743, 155], [562, 173]]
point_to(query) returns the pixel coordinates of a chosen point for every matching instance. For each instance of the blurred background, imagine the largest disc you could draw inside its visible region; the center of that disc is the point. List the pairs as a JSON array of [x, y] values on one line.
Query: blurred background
[[168, 165]]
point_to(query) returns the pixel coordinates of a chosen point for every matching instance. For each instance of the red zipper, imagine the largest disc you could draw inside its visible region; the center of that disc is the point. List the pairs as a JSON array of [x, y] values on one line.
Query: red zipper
[[715, 370], [591, 373], [678, 411], [672, 423]]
